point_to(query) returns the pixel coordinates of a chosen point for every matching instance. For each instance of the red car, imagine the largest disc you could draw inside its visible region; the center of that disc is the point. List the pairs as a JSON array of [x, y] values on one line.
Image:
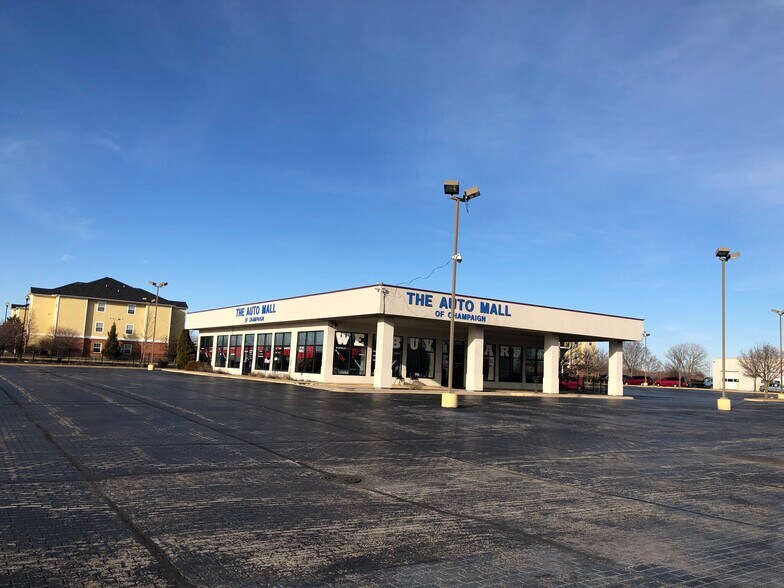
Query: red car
[[672, 382], [639, 381], [572, 383]]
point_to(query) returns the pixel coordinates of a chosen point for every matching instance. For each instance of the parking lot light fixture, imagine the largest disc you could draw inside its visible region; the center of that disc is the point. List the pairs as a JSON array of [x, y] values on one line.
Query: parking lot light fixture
[[781, 356], [645, 335], [723, 253], [158, 286], [452, 189]]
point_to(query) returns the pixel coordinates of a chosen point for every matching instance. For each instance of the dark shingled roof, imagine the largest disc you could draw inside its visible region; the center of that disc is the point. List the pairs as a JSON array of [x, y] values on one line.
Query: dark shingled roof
[[107, 289]]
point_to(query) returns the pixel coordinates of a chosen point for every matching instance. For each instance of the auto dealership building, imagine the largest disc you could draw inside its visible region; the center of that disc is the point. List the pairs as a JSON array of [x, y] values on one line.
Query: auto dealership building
[[381, 335]]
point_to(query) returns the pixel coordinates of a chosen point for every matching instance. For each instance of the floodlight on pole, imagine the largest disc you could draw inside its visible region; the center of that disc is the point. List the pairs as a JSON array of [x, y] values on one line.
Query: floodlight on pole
[[724, 254], [781, 356], [645, 335], [158, 286], [452, 189]]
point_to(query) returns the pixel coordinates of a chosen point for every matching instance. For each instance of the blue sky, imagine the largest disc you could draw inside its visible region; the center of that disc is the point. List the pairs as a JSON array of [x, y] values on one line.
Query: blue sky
[[248, 150]]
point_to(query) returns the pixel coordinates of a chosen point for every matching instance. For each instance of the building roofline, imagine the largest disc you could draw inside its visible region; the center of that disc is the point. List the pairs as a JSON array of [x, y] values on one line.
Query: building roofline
[[398, 286]]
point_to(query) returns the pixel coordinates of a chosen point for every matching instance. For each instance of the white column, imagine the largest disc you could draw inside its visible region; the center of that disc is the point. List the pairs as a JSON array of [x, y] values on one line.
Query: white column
[[385, 333], [615, 369], [475, 358], [552, 356], [328, 351]]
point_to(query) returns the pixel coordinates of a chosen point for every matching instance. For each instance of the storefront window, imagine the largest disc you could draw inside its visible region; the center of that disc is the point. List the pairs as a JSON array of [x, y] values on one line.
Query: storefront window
[[397, 356], [310, 348], [488, 364], [421, 357], [205, 349], [247, 354], [534, 365], [264, 351], [235, 351], [350, 354], [221, 351], [282, 355], [510, 363]]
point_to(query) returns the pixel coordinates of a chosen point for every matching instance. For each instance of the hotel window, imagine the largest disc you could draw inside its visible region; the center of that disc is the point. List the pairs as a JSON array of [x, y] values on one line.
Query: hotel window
[[534, 365], [397, 356], [205, 349], [350, 354], [264, 351], [310, 348], [96, 347], [221, 351], [488, 364], [101, 307], [99, 327], [127, 347], [235, 351], [131, 309], [510, 363], [421, 357], [129, 329], [282, 355]]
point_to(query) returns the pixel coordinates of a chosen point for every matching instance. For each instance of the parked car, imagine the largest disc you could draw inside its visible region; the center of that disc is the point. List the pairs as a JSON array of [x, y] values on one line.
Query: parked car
[[774, 386], [574, 383], [639, 381], [672, 382], [697, 383], [708, 382]]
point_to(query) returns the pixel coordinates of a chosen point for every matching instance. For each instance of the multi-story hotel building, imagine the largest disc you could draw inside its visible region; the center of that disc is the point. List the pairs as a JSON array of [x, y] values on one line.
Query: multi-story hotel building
[[86, 310]]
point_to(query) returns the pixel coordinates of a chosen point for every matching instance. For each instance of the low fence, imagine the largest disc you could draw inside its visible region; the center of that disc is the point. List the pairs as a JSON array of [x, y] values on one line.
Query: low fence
[[74, 359]]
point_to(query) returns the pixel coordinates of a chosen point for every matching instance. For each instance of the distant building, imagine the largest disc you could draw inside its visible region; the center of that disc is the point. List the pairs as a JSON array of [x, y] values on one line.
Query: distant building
[[735, 378], [86, 310]]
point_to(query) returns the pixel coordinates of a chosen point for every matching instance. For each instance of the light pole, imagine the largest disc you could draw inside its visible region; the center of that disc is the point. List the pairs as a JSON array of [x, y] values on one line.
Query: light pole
[[158, 286], [452, 189], [723, 253], [26, 332], [7, 304], [645, 335], [781, 371]]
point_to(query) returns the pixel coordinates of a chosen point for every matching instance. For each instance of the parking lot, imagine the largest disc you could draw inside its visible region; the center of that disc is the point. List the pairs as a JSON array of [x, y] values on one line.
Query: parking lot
[[152, 478]]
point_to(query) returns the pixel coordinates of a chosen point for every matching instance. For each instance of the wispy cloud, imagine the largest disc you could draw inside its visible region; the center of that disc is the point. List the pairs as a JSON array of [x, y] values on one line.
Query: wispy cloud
[[48, 215], [67, 257], [104, 143]]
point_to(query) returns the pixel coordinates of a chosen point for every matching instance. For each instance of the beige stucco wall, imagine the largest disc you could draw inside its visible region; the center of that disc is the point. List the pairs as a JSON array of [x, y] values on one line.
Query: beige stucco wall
[[408, 302]]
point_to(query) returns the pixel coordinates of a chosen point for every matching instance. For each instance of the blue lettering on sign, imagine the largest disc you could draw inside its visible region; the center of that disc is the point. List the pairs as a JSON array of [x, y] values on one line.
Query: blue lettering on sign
[[464, 307], [254, 312]]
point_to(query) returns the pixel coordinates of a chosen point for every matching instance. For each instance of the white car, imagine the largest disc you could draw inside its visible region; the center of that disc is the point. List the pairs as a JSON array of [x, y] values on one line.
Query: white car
[[774, 386]]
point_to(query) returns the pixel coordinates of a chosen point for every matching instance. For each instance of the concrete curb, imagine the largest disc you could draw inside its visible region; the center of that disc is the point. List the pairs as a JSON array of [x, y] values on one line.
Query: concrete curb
[[423, 392]]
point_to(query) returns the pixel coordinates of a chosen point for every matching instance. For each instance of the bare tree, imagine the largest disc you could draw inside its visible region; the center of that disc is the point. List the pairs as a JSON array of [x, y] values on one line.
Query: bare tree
[[11, 334], [761, 361], [595, 361], [61, 342], [687, 359], [633, 357]]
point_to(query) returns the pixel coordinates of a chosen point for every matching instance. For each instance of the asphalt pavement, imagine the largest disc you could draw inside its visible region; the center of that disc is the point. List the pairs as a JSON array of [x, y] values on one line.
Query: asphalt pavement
[[135, 478]]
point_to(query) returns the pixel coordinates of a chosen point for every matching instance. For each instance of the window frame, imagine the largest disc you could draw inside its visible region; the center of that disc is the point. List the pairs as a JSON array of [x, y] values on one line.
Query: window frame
[[126, 328], [284, 346], [507, 374], [353, 351], [419, 353], [101, 329], [127, 349], [220, 361], [100, 306], [99, 345], [312, 364], [131, 308]]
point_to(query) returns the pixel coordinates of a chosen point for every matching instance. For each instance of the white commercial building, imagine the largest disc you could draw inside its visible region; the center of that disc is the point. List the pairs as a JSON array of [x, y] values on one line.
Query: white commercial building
[[385, 334], [736, 380]]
